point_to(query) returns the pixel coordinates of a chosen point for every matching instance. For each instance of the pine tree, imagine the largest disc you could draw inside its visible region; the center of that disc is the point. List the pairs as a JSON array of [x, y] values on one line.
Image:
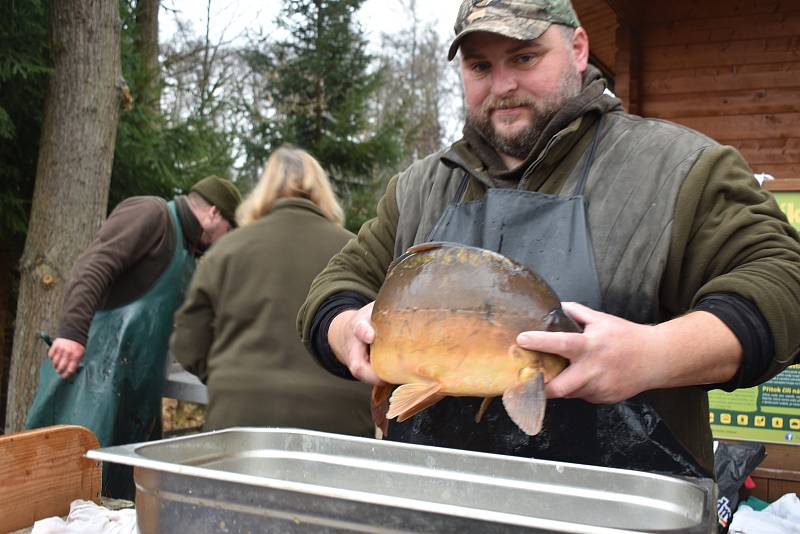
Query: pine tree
[[319, 83], [156, 154]]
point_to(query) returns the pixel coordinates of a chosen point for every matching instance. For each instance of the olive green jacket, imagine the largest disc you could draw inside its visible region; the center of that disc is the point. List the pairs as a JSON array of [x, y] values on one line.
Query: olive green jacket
[[235, 329], [674, 216]]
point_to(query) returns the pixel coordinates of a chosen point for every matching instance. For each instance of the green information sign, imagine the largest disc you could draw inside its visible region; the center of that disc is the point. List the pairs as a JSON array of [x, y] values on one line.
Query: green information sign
[[790, 205], [768, 413]]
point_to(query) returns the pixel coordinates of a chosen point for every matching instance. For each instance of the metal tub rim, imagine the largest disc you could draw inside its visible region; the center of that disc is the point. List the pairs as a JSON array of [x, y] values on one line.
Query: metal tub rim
[[129, 455]]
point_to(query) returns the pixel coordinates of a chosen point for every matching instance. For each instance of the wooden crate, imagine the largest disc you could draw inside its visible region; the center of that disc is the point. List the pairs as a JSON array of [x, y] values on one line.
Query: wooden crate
[[43, 471]]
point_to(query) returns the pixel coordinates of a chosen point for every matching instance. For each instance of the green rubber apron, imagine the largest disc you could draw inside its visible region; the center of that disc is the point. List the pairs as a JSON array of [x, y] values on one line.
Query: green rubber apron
[[117, 393], [550, 235]]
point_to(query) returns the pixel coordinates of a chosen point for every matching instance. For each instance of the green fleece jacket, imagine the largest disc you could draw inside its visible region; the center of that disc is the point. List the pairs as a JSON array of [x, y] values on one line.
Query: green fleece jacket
[[674, 216], [235, 329]]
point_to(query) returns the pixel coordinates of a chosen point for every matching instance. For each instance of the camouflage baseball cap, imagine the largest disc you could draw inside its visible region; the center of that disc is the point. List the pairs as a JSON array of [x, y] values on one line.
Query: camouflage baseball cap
[[518, 19]]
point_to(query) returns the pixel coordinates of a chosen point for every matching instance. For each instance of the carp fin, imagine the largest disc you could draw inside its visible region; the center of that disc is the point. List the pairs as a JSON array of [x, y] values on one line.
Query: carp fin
[[483, 409], [410, 399], [422, 247], [416, 249], [558, 321], [380, 405], [525, 404]]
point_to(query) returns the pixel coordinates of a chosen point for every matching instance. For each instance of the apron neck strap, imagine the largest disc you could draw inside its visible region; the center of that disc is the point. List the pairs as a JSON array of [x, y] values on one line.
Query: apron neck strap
[[458, 198], [590, 159]]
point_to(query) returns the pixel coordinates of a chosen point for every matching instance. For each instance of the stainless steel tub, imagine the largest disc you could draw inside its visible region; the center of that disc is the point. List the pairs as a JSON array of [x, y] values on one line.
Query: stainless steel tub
[[285, 480]]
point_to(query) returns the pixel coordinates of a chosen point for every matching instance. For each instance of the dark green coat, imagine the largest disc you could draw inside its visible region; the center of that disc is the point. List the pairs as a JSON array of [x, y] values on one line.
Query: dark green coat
[[236, 328], [674, 216]]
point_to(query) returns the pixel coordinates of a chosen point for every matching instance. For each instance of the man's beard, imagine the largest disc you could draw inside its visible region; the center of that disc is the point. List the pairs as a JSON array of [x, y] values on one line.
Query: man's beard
[[519, 144]]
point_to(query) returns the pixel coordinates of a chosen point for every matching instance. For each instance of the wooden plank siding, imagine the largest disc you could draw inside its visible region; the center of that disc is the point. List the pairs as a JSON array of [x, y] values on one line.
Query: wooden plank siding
[[729, 69], [628, 67], [778, 474], [601, 23]]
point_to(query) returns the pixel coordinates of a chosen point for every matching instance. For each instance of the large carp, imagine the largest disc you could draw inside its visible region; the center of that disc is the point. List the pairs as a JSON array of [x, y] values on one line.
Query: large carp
[[446, 320]]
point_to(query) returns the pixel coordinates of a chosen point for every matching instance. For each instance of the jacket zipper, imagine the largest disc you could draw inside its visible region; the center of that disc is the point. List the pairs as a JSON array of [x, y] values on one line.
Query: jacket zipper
[[523, 183]]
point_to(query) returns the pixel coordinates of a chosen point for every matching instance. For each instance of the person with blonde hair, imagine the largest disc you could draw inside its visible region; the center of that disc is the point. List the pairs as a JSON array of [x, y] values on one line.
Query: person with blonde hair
[[235, 330], [291, 172]]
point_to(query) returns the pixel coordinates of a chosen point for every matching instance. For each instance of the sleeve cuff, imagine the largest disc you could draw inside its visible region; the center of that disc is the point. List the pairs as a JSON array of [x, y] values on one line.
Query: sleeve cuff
[[73, 335], [320, 349], [751, 329]]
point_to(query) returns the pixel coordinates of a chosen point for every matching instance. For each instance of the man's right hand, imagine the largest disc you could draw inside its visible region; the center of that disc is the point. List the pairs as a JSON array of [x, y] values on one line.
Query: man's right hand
[[349, 336], [66, 356]]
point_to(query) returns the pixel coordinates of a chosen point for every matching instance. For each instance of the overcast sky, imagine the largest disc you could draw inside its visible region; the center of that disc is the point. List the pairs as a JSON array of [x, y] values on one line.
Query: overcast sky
[[230, 18], [233, 18]]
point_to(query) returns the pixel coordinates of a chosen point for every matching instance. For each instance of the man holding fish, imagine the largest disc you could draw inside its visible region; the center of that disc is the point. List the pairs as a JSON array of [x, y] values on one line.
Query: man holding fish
[[681, 272]]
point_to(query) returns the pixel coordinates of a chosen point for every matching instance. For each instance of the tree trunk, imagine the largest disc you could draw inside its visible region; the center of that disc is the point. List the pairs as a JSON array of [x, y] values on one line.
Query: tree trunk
[[5, 304], [72, 177], [147, 44]]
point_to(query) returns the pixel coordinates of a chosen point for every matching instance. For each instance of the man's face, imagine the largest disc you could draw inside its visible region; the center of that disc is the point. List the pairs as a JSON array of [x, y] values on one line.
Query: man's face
[[214, 226], [513, 88]]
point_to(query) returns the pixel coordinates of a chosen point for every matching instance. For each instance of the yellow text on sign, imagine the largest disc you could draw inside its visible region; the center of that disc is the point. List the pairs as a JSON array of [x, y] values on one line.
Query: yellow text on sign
[[792, 212]]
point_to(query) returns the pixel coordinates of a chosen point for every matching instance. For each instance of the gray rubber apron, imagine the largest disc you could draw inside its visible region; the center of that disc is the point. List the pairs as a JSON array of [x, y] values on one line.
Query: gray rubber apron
[[117, 393], [549, 234]]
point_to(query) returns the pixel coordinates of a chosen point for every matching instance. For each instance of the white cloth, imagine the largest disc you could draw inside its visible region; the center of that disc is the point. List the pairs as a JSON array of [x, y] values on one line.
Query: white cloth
[[85, 517], [762, 177], [780, 517]]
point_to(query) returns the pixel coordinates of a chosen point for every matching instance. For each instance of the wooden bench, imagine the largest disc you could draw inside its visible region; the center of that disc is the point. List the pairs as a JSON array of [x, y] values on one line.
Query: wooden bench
[[42, 471]]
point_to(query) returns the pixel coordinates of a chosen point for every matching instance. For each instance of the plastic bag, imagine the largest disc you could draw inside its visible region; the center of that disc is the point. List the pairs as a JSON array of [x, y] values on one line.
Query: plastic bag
[[780, 517], [733, 463]]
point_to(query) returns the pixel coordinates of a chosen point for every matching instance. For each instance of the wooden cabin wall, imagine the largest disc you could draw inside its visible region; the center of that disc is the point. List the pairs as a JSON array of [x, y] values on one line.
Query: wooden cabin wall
[[730, 69], [601, 23], [613, 27]]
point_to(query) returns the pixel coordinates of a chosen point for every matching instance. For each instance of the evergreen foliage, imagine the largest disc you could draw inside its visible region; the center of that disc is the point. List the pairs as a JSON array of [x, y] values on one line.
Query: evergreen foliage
[[318, 89], [23, 82], [154, 156], [319, 86]]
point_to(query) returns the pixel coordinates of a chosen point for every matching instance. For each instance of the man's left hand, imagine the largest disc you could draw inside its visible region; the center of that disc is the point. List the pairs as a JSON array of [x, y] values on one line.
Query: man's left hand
[[609, 362], [66, 356]]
